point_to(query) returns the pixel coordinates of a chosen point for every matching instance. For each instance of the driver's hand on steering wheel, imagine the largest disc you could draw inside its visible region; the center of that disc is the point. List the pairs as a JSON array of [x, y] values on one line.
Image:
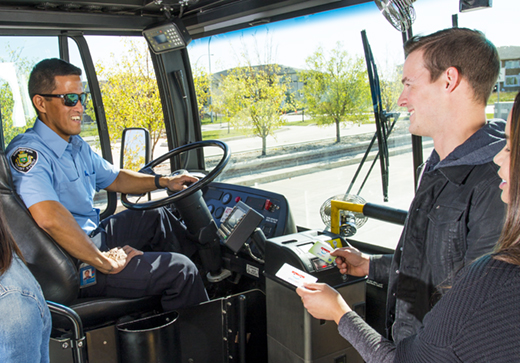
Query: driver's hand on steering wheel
[[180, 182]]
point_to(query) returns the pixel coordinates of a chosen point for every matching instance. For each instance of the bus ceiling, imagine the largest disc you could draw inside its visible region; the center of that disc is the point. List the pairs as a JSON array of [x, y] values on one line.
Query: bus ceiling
[[129, 17]]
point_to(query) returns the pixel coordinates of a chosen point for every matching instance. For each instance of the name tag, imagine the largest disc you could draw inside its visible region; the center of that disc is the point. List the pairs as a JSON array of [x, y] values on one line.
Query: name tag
[[87, 275]]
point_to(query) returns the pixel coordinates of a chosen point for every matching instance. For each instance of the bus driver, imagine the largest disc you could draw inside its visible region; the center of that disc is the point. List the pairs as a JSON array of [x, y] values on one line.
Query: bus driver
[[56, 174]]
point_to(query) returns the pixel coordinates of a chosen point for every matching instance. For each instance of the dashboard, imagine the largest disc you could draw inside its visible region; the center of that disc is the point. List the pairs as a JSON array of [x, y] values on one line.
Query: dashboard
[[274, 208]]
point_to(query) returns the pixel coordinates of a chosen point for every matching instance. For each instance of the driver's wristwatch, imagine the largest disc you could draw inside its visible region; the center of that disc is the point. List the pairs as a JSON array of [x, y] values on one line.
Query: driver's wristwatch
[[157, 177]]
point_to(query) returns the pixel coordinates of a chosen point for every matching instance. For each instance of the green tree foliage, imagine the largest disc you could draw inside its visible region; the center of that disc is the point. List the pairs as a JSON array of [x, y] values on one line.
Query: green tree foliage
[[201, 82], [336, 88], [130, 94], [253, 96], [391, 88], [254, 99]]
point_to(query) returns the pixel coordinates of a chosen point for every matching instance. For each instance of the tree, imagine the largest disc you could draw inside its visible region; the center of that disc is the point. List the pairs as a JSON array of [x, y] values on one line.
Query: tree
[[391, 88], [201, 81], [336, 88], [130, 94], [253, 97]]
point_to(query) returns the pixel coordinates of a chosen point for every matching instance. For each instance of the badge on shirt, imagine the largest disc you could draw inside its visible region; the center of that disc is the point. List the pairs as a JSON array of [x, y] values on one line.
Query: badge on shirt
[[23, 159], [87, 275]]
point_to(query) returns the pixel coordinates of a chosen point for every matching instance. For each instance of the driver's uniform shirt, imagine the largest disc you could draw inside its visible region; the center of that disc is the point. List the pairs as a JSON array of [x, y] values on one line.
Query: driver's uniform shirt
[[45, 167]]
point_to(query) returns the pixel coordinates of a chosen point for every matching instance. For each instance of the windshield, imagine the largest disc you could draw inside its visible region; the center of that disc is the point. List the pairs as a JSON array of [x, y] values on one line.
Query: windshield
[[303, 152], [261, 90]]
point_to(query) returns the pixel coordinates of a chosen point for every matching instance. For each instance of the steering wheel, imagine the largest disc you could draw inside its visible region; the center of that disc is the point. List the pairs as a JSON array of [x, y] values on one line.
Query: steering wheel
[[201, 183]]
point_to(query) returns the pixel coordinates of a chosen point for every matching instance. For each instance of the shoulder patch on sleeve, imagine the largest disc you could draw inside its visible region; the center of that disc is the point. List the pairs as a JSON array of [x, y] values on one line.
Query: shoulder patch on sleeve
[[23, 159]]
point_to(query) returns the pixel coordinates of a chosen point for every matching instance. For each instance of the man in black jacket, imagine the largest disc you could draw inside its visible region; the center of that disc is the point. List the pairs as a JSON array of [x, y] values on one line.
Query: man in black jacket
[[456, 215]]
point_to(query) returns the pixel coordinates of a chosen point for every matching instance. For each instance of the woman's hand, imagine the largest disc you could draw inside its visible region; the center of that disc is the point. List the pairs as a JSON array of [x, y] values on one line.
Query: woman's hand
[[322, 301]]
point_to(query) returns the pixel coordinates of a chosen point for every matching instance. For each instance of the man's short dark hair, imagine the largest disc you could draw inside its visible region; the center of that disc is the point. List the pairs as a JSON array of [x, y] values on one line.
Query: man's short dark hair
[[475, 57], [42, 78]]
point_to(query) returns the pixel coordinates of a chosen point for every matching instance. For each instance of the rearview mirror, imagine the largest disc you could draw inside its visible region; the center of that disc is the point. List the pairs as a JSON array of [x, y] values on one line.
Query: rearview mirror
[[135, 148]]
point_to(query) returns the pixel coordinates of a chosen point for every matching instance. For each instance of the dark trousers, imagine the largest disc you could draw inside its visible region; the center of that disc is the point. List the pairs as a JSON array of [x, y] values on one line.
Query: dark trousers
[[171, 275]]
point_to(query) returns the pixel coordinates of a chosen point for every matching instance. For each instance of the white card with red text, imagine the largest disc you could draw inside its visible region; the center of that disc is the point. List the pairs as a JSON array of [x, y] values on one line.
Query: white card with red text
[[294, 276]]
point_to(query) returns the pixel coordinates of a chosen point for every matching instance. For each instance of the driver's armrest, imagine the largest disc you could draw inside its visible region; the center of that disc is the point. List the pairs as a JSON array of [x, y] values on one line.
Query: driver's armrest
[[99, 311]]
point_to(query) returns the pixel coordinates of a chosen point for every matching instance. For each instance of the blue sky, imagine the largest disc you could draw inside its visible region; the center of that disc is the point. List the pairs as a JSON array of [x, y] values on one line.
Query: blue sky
[[294, 40]]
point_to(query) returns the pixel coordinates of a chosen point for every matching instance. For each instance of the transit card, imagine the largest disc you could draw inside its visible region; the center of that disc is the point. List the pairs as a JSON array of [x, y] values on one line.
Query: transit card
[[294, 276], [322, 250]]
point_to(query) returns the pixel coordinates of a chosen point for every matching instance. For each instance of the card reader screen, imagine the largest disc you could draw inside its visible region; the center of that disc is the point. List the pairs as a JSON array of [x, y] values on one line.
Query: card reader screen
[[234, 217], [160, 39]]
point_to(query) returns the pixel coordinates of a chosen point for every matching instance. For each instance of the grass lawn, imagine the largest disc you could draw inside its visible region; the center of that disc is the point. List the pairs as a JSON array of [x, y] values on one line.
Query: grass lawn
[[504, 97], [220, 134], [89, 130], [216, 120], [301, 123], [223, 133]]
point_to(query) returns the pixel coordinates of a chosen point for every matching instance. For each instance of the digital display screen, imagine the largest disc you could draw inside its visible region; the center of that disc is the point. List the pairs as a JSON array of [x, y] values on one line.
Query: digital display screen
[[160, 39], [234, 217]]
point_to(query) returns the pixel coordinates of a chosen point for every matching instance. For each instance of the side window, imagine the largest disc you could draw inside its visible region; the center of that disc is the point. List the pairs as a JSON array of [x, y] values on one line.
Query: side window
[[17, 57], [130, 95], [129, 89]]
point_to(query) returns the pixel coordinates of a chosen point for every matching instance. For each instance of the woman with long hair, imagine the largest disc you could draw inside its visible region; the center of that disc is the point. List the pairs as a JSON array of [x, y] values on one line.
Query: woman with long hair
[[478, 320], [25, 321]]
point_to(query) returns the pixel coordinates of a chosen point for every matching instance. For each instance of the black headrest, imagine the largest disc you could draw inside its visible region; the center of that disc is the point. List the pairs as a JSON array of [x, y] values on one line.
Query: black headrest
[[52, 266]]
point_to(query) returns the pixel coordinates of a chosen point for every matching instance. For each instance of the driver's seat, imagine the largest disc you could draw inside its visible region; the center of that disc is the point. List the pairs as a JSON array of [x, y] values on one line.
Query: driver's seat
[[54, 269]]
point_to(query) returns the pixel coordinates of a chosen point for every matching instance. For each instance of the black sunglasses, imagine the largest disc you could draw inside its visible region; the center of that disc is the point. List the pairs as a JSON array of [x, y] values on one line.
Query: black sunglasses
[[70, 99]]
